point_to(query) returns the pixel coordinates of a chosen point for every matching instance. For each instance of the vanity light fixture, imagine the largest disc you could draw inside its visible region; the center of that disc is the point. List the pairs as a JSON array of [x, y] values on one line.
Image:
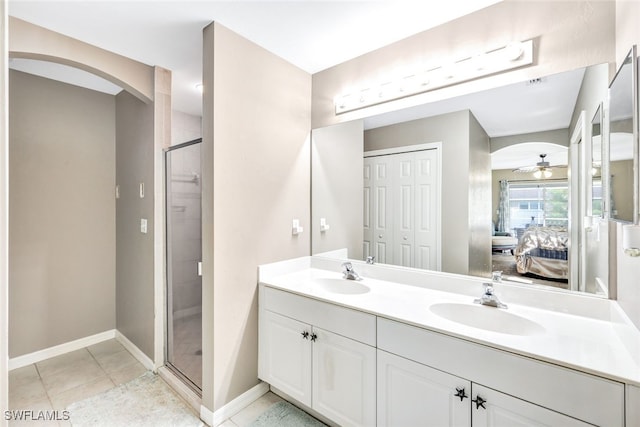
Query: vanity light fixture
[[509, 57], [631, 239]]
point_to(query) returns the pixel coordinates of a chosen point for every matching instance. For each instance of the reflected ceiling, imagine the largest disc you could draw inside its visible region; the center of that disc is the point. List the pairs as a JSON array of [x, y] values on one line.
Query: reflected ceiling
[[544, 104]]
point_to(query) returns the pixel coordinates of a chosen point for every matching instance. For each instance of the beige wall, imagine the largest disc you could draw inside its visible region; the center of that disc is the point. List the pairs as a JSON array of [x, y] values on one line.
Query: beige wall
[[33, 42], [593, 92], [453, 131], [135, 250], [621, 188], [336, 188], [567, 35], [628, 268], [185, 127], [62, 213], [256, 139]]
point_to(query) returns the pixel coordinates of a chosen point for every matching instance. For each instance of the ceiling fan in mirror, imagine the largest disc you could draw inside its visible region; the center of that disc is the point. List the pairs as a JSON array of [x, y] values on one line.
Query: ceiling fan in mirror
[[542, 169]]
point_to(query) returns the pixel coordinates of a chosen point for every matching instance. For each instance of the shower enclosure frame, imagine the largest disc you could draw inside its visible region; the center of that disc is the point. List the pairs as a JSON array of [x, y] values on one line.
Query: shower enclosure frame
[[168, 306]]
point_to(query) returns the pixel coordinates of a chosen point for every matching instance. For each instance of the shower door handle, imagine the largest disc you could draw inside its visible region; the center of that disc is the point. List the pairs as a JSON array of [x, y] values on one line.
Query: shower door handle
[[200, 268]]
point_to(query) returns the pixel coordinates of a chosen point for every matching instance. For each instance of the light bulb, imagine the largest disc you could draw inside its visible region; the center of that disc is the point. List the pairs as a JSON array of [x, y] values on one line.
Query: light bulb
[[542, 173], [513, 51]]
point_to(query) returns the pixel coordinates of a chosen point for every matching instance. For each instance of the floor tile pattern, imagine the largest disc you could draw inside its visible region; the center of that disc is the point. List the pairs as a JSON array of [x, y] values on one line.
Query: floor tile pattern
[[55, 383]]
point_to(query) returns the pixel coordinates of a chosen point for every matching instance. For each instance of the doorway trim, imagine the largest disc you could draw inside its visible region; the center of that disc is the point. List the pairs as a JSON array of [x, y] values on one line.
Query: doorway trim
[[577, 204]]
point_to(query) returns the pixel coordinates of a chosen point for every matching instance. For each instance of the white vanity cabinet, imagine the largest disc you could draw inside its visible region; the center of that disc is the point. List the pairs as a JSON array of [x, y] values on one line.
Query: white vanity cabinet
[[506, 389], [320, 354], [285, 356], [491, 408], [411, 394]]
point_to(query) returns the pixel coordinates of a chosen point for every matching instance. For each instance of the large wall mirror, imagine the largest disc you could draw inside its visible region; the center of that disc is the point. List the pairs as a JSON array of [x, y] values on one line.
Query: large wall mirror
[[622, 141], [423, 187]]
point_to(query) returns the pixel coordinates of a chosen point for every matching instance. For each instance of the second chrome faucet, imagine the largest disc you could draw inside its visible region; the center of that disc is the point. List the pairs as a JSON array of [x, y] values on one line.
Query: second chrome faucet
[[488, 297], [349, 273]]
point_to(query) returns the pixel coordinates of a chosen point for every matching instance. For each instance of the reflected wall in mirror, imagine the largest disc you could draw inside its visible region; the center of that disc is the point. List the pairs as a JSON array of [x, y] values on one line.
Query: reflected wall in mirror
[[468, 129], [622, 141], [596, 164], [596, 229]]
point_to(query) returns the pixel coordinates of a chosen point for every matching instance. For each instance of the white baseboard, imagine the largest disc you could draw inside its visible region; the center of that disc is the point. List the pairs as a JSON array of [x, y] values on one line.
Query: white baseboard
[[135, 351], [40, 355], [236, 405]]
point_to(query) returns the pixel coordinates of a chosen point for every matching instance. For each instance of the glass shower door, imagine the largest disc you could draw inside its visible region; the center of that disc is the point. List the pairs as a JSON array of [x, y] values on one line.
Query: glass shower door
[[184, 253]]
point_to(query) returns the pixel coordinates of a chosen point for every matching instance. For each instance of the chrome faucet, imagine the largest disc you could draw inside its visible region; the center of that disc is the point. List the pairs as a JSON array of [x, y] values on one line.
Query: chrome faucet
[[349, 273], [370, 259], [488, 297]]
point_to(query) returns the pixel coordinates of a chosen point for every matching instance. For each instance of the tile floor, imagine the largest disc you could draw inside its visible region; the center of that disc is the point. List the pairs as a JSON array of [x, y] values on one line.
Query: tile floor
[[245, 417], [55, 383]]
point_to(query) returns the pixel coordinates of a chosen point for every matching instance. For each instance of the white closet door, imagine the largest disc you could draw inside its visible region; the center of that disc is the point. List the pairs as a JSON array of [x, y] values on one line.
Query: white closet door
[[367, 212], [404, 208], [401, 209], [382, 214], [426, 209]]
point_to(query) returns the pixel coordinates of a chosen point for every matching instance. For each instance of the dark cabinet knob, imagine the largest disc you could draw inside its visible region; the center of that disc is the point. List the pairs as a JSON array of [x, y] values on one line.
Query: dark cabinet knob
[[305, 335], [314, 337], [479, 402], [460, 393]]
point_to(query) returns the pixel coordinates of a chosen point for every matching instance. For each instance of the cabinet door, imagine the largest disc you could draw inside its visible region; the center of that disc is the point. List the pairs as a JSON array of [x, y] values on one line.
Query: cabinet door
[[285, 355], [344, 379], [492, 408], [411, 395]]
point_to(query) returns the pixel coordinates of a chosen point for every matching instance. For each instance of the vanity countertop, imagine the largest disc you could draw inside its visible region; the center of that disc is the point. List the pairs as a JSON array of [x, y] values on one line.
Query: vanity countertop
[[607, 346]]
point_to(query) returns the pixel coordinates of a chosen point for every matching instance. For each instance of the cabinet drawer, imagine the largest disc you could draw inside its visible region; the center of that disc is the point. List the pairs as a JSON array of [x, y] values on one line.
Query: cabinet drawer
[[586, 397], [340, 320]]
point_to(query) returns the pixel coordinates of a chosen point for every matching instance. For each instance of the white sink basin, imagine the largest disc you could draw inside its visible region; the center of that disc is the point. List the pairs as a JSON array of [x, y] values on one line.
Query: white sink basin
[[341, 286], [487, 318]]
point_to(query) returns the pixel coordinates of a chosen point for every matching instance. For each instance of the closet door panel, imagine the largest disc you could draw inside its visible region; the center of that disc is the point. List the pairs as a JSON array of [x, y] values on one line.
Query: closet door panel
[[403, 171], [426, 209], [367, 213], [382, 203]]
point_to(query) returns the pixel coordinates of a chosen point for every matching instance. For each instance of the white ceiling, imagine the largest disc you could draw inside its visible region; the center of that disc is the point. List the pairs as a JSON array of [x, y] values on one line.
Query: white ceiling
[[313, 35]]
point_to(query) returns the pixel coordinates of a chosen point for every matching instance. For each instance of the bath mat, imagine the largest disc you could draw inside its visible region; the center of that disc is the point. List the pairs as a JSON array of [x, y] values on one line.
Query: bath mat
[[284, 414], [145, 401]]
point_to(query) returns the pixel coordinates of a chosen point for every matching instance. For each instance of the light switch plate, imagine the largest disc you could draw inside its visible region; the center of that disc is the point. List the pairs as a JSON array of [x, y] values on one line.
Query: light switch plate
[[143, 225]]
